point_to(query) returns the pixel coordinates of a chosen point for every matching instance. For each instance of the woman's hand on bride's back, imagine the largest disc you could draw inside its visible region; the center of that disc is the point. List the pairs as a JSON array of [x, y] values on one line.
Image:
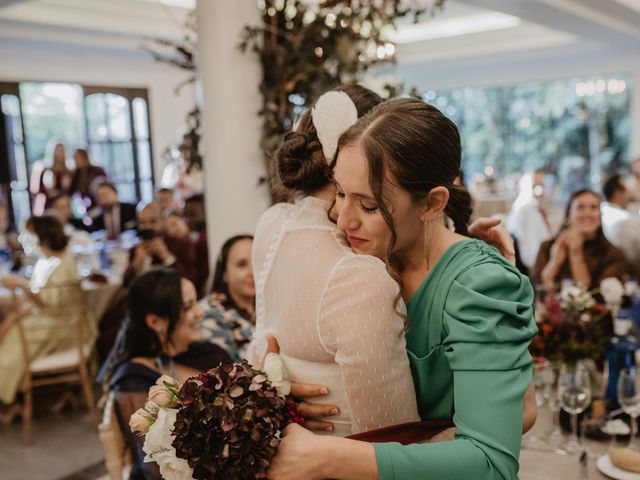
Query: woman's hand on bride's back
[[303, 391], [489, 230]]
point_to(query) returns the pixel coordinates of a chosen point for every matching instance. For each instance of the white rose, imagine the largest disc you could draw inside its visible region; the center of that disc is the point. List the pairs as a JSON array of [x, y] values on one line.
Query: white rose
[[277, 374], [167, 379], [612, 291], [159, 436], [172, 467], [140, 421], [162, 396]]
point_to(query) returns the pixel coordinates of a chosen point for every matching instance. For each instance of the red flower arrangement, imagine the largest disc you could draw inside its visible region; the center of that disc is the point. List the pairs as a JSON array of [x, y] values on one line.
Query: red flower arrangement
[[572, 327]]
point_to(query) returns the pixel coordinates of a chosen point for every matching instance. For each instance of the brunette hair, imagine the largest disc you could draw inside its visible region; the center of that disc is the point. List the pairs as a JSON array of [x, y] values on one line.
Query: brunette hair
[[300, 164], [219, 285], [49, 231], [572, 198], [611, 186], [420, 147], [81, 152], [157, 292]]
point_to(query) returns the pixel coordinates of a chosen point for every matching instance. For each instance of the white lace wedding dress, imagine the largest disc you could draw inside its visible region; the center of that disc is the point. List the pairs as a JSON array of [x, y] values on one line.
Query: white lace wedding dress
[[332, 313]]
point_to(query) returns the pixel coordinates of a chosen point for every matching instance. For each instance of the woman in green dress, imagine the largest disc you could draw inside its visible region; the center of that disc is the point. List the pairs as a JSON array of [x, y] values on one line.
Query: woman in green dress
[[470, 312]]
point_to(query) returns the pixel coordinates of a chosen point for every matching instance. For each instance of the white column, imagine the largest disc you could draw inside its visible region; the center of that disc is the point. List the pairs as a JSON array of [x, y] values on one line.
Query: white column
[[230, 100]]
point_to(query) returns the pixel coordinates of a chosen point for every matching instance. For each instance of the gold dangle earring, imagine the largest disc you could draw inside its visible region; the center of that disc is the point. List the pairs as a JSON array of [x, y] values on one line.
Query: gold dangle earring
[[427, 241]]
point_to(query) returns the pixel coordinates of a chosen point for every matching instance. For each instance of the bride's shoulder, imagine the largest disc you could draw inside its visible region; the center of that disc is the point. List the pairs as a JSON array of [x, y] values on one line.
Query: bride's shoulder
[[366, 269]]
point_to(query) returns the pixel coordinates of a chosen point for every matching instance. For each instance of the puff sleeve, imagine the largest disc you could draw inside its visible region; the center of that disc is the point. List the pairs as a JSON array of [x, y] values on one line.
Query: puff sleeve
[[488, 324]]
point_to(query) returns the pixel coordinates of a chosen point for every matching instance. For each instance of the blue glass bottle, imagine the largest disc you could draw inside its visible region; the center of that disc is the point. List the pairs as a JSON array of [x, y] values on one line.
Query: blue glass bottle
[[620, 354]]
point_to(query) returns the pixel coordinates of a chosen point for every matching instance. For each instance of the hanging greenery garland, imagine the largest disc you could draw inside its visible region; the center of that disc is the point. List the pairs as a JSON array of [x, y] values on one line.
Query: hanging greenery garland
[[307, 47]]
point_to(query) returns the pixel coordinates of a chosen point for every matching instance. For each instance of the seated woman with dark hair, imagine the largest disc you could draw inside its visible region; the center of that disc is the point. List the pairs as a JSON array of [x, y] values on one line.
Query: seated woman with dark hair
[[229, 320], [56, 267], [580, 251], [157, 338]]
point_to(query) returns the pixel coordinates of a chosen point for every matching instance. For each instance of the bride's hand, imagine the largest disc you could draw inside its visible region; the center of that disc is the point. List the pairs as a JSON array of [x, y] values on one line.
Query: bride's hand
[[296, 457], [488, 230]]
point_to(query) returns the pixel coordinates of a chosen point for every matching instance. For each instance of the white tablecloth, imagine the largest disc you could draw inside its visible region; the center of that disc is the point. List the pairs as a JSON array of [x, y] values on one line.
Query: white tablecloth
[[537, 465], [97, 295]]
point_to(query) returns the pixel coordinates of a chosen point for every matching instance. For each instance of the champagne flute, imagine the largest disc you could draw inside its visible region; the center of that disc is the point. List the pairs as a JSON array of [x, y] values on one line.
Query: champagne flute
[[629, 399], [574, 390]]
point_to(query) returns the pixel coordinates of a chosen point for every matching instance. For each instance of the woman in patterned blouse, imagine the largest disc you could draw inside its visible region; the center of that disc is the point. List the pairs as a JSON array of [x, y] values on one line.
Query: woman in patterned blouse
[[229, 319]]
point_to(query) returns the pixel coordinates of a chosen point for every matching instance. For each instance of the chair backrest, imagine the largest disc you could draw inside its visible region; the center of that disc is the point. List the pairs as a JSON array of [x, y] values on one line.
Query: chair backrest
[[58, 323], [116, 454]]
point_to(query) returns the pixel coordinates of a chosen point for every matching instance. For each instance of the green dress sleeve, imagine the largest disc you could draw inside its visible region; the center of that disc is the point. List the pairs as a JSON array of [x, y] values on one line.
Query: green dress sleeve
[[488, 323]]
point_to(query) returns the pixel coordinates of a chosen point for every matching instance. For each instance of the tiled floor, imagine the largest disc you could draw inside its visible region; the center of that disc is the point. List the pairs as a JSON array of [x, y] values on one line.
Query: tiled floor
[[64, 446]]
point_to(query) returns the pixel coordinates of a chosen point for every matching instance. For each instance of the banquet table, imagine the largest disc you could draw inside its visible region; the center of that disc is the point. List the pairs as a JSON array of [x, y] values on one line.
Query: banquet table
[[544, 465], [98, 296]]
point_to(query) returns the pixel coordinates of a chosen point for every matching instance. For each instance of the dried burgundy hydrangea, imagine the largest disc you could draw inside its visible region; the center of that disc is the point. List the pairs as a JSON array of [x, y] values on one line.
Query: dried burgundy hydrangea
[[230, 423]]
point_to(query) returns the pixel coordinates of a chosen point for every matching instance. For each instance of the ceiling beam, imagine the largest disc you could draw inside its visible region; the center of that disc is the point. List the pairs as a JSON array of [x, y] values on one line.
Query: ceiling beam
[[604, 21]]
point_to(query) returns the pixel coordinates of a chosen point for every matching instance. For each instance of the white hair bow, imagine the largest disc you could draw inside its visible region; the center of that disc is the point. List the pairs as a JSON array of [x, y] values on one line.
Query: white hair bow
[[332, 115]]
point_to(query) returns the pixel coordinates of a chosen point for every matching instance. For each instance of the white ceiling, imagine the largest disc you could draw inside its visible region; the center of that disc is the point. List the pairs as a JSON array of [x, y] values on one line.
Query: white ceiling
[[465, 30], [543, 24], [110, 24]]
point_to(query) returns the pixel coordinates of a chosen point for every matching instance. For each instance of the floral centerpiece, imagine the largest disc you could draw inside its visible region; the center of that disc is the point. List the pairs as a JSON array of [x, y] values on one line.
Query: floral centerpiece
[[224, 423], [577, 324]]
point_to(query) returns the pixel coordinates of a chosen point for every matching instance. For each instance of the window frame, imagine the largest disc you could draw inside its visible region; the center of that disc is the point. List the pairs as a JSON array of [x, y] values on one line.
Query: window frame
[[129, 93]]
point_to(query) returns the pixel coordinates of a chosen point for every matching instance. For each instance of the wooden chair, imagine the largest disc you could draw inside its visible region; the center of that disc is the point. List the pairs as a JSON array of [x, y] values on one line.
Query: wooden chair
[[116, 453], [62, 318]]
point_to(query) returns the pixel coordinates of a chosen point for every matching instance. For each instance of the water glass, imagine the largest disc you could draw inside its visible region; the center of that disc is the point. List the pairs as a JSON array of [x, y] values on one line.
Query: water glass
[[629, 399], [574, 391]]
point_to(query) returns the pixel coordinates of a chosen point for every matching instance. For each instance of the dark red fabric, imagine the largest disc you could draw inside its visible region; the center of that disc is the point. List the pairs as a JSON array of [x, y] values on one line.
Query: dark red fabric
[[405, 433]]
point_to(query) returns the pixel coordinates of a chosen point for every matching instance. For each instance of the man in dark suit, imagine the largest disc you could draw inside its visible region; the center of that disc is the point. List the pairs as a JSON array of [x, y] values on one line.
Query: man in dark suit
[[195, 216], [115, 217]]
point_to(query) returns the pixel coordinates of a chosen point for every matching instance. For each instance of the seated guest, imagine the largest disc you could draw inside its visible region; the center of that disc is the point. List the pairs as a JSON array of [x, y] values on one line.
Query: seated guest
[[527, 220], [85, 179], [73, 227], [56, 267], [580, 251], [633, 186], [157, 249], [154, 251], [161, 325], [115, 216], [9, 244], [621, 227], [175, 226], [165, 198], [194, 214], [229, 320]]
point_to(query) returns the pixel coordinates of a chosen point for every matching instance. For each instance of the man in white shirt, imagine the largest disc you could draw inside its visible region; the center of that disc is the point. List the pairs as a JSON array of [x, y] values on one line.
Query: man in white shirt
[[527, 220], [621, 227]]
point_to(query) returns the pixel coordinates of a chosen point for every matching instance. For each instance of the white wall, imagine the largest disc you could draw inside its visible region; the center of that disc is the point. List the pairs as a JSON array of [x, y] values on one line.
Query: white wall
[[35, 61]]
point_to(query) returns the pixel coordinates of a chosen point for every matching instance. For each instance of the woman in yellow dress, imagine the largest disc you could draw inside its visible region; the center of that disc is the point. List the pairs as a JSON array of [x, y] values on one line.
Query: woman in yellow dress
[[56, 267]]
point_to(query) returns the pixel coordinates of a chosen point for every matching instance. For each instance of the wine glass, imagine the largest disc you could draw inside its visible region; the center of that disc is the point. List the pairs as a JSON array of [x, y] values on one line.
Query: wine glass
[[540, 379], [629, 399], [574, 391]]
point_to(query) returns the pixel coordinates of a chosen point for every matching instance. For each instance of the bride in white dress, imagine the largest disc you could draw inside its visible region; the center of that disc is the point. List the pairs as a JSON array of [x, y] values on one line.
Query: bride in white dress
[[335, 314]]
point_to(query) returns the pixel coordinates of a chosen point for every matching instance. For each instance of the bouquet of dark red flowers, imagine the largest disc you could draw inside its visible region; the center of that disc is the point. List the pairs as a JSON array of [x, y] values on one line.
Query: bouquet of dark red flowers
[[573, 326], [224, 424]]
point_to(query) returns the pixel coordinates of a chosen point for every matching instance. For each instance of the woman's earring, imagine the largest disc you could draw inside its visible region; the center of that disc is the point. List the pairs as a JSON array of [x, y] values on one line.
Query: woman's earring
[[427, 241], [161, 335]]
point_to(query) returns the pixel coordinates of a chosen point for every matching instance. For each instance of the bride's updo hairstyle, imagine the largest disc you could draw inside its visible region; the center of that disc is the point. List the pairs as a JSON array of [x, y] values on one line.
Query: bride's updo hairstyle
[[420, 148], [300, 164]]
